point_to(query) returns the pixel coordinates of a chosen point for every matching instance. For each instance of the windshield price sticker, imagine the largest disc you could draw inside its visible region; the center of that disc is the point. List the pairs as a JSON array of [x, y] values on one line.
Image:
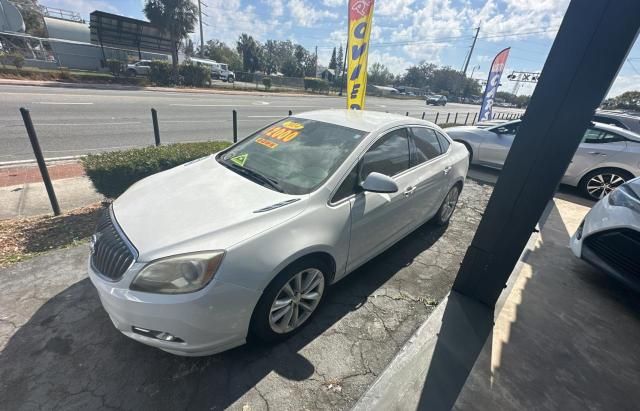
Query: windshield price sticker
[[292, 125], [266, 143], [283, 133]]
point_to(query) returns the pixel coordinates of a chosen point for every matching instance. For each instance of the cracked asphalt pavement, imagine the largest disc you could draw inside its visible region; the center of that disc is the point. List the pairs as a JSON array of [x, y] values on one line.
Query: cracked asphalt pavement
[[60, 350]]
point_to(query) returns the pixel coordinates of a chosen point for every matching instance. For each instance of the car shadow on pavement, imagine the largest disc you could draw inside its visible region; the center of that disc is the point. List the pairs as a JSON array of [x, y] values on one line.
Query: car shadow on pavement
[[69, 355]]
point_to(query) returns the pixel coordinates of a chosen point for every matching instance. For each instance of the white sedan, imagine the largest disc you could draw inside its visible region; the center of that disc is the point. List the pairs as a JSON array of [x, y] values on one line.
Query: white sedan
[[196, 259], [609, 236]]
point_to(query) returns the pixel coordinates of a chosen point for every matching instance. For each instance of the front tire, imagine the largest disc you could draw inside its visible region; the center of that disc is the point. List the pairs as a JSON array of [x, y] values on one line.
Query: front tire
[[598, 183], [290, 300], [448, 206]]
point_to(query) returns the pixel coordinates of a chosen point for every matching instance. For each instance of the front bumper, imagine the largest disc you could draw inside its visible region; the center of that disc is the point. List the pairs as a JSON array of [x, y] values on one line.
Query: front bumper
[[208, 321], [602, 223]]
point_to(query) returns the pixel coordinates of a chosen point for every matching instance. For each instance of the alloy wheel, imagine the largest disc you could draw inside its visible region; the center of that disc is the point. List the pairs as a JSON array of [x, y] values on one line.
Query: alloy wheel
[[296, 301], [449, 203], [602, 184]]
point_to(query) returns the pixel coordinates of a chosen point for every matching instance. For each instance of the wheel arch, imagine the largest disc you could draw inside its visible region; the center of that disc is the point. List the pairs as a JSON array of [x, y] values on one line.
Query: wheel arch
[[468, 146], [603, 168], [322, 253]]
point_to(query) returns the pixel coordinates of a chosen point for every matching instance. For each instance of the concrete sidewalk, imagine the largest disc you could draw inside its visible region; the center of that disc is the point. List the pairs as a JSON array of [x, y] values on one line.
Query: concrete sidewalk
[[565, 337], [23, 194]]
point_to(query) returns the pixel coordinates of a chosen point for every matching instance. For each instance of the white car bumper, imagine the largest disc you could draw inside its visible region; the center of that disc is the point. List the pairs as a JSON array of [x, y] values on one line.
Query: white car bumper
[[604, 219], [206, 322]]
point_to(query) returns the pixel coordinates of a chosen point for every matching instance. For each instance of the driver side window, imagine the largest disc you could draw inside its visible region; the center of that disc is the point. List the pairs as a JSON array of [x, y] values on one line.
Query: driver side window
[[388, 156]]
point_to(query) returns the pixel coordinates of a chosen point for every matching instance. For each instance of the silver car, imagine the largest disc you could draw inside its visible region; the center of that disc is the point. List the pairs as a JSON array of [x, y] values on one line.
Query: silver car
[[244, 242], [607, 157]]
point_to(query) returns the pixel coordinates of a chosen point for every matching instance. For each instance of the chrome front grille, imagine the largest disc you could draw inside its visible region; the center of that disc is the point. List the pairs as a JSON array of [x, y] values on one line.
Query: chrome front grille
[[111, 253]]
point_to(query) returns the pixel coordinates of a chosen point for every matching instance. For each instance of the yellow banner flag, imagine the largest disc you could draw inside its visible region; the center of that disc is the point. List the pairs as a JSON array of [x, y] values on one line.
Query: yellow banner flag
[[360, 15]]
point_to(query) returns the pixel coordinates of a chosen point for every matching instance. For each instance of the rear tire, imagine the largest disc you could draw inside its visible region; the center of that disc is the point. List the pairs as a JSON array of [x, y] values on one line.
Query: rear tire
[[287, 304], [598, 183], [448, 206]]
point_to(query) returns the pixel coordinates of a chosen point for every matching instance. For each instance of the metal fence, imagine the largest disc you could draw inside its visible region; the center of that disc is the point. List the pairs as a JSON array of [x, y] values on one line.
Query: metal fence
[[459, 118]]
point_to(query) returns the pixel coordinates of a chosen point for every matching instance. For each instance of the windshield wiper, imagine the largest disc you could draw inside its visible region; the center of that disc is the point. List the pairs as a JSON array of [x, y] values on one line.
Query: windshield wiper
[[254, 175]]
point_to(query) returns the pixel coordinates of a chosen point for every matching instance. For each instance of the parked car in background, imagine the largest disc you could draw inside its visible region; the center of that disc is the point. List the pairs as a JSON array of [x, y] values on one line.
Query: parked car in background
[[221, 71], [436, 100], [244, 242], [141, 68], [619, 118], [609, 236], [607, 157]]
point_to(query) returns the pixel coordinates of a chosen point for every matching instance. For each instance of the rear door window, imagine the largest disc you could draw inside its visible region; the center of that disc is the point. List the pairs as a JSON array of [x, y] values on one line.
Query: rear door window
[[426, 145]]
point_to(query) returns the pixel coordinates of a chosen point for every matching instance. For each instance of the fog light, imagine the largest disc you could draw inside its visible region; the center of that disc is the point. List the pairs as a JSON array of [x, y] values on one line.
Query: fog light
[[158, 335], [579, 231], [165, 337]]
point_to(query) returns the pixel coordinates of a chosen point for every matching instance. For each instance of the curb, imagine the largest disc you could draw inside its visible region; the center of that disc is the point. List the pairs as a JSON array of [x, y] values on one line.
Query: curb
[[33, 161], [98, 86]]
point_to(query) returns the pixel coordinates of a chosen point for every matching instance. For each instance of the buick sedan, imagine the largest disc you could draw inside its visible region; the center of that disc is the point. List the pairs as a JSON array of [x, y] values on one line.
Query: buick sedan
[[244, 243]]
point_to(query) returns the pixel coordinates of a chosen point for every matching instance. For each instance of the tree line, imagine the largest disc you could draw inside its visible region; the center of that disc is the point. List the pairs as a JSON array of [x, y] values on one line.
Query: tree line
[[270, 57]]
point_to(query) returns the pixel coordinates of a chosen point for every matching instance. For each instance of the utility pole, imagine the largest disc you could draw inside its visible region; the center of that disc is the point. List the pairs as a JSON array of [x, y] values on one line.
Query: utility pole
[[201, 36], [316, 74], [473, 45]]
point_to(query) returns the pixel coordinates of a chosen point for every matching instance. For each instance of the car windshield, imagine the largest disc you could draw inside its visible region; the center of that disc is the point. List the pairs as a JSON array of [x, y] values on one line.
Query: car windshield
[[294, 155]]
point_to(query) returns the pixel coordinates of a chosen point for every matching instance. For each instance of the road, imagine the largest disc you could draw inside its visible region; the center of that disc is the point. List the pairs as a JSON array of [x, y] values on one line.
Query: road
[[72, 121]]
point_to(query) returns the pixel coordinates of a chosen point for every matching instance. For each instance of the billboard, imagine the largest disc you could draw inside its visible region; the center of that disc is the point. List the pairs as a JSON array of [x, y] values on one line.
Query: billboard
[[123, 32], [360, 15], [493, 82]]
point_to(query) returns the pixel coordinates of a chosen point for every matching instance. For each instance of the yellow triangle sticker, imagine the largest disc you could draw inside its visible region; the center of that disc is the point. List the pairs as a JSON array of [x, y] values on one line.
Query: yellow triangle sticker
[[240, 160]]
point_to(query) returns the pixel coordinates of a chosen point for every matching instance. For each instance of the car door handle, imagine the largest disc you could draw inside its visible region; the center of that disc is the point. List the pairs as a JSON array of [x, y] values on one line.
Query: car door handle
[[409, 190], [597, 153], [447, 169]]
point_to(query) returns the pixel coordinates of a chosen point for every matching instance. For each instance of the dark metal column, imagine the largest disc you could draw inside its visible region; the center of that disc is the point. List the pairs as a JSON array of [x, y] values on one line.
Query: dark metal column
[[591, 46]]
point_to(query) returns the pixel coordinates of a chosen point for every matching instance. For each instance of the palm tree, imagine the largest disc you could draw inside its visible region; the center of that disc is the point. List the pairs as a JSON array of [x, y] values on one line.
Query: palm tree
[[249, 50], [175, 17]]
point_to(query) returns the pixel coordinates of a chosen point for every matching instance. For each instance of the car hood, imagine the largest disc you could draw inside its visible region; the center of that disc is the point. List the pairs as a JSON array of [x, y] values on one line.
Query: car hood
[[200, 205]]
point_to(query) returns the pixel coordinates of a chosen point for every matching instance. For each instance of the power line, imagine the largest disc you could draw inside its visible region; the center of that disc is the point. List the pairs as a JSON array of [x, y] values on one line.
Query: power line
[[437, 40], [633, 67]]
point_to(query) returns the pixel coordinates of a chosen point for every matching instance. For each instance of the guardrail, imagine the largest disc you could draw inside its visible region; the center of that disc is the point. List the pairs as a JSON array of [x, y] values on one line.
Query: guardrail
[[448, 118]]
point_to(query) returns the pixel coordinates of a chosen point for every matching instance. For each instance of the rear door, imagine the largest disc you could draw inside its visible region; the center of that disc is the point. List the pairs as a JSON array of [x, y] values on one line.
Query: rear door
[[430, 172], [494, 149], [597, 146]]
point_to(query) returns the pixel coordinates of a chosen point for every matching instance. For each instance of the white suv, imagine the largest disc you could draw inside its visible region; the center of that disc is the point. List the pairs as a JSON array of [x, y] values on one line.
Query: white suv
[[221, 71]]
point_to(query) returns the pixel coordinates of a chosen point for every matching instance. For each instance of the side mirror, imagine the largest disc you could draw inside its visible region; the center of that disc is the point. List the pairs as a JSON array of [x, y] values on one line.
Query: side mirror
[[379, 183]]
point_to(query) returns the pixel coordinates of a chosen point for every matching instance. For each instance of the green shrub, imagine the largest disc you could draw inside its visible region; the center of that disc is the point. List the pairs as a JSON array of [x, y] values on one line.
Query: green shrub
[[195, 75], [267, 83], [116, 67], [12, 58], [112, 173], [316, 85], [18, 60], [160, 73]]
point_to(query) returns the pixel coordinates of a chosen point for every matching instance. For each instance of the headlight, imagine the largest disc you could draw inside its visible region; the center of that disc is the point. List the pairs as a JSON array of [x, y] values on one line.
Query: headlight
[[624, 197], [178, 274]]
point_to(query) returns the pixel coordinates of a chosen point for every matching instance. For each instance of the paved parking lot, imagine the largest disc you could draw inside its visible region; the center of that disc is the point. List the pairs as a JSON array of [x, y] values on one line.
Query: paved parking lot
[[60, 351]]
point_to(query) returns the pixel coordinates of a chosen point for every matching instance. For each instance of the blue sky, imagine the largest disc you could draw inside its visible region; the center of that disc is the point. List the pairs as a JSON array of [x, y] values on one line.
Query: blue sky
[[404, 31]]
